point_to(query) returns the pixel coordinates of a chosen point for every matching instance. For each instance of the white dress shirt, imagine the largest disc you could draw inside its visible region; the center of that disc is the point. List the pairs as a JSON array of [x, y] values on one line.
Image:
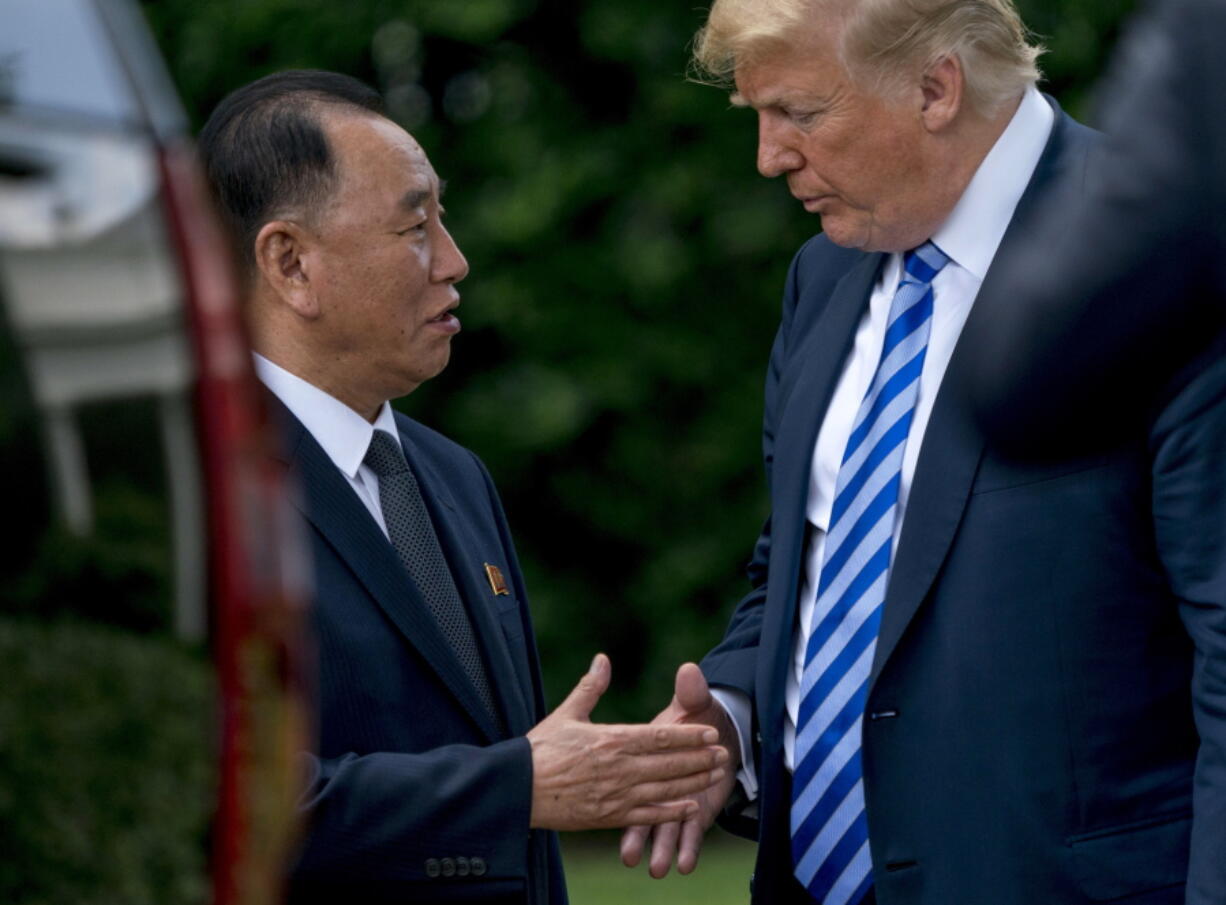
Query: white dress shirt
[[342, 433], [969, 237]]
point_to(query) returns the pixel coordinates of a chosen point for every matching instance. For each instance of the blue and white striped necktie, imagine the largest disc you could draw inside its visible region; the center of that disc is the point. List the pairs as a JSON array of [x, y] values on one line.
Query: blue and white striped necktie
[[830, 853]]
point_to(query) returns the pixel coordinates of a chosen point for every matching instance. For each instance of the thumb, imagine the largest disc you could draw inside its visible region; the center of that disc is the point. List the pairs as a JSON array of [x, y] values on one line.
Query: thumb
[[583, 699], [692, 693]]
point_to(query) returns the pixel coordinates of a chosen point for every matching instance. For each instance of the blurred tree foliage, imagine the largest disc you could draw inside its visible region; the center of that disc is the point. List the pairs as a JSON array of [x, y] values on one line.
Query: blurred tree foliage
[[626, 268]]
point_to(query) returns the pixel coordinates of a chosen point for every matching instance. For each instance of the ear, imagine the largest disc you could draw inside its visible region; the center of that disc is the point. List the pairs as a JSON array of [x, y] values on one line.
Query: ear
[[282, 258], [943, 87]]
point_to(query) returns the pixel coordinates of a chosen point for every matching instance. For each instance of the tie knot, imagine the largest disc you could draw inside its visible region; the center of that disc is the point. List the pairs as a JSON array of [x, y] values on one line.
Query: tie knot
[[925, 262], [385, 456]]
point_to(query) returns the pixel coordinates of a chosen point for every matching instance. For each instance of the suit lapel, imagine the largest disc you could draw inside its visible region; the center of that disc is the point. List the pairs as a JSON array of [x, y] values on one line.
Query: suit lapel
[[952, 443], [462, 552], [821, 358], [328, 502]]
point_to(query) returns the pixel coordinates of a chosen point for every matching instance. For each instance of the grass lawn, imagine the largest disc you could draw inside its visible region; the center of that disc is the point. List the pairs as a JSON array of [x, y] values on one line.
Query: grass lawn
[[595, 875]]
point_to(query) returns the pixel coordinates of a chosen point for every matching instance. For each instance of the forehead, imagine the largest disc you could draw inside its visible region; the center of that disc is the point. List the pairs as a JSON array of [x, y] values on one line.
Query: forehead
[[374, 153], [807, 67]]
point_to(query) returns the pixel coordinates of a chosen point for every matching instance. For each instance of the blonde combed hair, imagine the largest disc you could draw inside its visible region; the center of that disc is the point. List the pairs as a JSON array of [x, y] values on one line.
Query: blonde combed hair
[[880, 41]]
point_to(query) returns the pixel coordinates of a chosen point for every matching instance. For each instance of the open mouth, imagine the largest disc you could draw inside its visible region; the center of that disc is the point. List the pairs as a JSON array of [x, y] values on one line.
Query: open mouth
[[445, 315], [446, 320]]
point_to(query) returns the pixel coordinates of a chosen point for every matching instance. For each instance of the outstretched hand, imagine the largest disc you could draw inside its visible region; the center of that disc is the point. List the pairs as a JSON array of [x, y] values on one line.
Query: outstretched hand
[[692, 704], [598, 776]]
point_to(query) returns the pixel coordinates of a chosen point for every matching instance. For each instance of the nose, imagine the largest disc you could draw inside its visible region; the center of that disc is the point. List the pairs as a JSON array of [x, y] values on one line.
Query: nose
[[449, 264], [776, 154]]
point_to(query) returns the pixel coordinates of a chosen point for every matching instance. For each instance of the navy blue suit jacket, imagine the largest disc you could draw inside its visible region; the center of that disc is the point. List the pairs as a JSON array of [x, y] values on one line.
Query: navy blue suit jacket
[[416, 795], [1046, 715]]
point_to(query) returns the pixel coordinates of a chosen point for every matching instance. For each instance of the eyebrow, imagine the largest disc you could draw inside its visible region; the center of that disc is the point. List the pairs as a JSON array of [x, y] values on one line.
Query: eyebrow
[[784, 98], [414, 198]]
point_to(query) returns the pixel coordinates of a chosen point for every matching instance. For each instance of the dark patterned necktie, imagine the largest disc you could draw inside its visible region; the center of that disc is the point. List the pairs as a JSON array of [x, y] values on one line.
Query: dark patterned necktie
[[412, 534]]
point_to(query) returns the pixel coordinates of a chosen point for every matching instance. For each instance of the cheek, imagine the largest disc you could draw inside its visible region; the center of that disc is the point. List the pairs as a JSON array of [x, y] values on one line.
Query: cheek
[[886, 173], [348, 283], [404, 266], [390, 287], [848, 164]]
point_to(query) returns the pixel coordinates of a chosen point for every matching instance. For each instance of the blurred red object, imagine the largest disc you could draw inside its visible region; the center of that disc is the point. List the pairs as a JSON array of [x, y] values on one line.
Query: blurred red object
[[119, 282]]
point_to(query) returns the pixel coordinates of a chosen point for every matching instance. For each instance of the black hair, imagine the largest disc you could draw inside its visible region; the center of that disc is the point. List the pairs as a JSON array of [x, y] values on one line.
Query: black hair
[[264, 149]]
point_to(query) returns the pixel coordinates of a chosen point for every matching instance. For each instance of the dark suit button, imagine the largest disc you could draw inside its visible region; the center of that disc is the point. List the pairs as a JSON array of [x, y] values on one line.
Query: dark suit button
[[462, 867], [433, 868], [478, 866], [448, 867]]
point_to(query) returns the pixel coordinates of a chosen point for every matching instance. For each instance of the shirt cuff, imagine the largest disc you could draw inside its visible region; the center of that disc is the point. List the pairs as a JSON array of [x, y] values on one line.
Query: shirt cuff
[[737, 706]]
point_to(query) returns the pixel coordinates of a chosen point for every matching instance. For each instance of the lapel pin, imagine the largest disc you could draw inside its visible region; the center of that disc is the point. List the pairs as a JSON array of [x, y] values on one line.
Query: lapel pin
[[498, 584]]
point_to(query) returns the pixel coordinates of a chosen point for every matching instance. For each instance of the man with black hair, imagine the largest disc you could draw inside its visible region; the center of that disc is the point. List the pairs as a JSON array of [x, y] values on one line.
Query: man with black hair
[[438, 776]]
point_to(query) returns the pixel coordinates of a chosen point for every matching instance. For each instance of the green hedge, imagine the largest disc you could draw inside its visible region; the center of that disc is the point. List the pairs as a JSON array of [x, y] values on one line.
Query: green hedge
[[106, 767]]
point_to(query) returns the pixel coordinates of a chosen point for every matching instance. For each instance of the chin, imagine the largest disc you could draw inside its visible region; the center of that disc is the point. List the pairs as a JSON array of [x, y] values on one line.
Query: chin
[[845, 237], [421, 371]]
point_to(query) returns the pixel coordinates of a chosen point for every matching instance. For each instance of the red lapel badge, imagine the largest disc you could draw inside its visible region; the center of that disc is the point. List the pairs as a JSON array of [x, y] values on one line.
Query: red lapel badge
[[497, 583]]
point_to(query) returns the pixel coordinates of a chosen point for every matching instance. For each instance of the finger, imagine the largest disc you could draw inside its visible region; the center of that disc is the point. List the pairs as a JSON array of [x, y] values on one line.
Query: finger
[[691, 689], [645, 768], [647, 739], [663, 847], [647, 792], [634, 840], [692, 833], [657, 813], [583, 699]]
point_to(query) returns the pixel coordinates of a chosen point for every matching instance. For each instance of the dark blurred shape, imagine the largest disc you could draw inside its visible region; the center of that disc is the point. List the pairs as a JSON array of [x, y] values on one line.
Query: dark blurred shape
[[1104, 316], [148, 592]]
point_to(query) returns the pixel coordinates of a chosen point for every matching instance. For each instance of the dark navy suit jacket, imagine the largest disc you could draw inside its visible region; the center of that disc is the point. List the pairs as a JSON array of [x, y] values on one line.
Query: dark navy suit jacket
[[1046, 716], [416, 795]]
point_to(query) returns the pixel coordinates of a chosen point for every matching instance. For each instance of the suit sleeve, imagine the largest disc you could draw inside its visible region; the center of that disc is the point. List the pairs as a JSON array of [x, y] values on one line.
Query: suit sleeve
[[733, 662], [1189, 504], [392, 817]]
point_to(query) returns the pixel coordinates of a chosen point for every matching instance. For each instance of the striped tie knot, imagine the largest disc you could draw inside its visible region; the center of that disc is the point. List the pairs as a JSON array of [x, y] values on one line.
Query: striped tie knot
[[924, 263], [829, 828]]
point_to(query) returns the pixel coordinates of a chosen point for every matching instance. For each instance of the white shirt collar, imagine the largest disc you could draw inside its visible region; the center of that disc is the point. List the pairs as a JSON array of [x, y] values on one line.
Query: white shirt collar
[[972, 232], [342, 433]]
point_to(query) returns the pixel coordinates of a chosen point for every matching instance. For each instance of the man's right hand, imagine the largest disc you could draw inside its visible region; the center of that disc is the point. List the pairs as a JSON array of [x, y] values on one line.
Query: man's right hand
[[692, 703], [598, 776]]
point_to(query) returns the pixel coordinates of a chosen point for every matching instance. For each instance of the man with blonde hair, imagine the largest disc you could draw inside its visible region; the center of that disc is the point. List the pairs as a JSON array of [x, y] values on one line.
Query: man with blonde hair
[[958, 679]]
